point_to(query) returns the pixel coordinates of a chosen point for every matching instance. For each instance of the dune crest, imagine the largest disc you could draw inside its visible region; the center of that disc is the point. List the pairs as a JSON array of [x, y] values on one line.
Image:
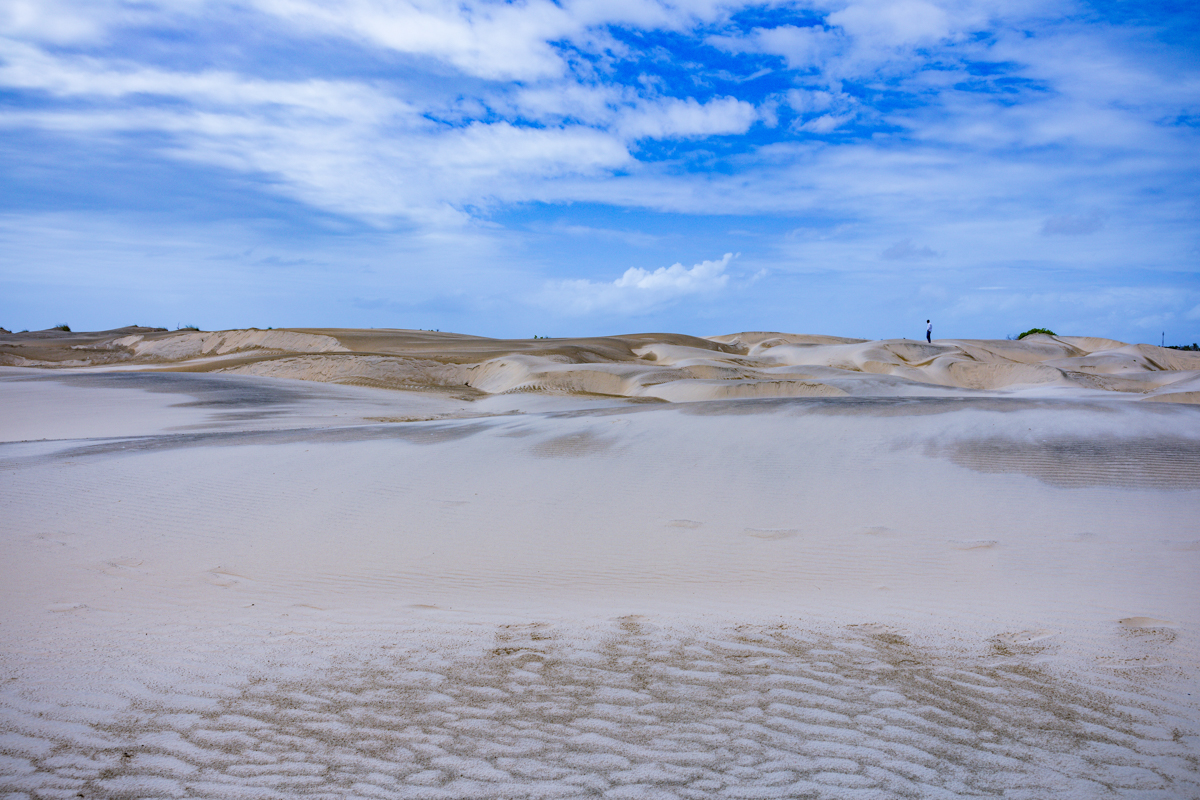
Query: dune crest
[[652, 366]]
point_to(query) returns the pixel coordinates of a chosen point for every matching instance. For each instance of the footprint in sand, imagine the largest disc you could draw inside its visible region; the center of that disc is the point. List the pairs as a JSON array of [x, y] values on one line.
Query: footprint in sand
[[1145, 638], [772, 534], [121, 566], [1024, 637], [973, 544], [225, 577], [1145, 622], [64, 607]]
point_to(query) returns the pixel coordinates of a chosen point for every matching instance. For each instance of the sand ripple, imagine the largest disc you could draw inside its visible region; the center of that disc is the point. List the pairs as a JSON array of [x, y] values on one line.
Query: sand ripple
[[629, 710]]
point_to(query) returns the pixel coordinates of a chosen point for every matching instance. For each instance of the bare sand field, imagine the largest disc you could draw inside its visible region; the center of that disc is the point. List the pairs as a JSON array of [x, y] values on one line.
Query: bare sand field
[[408, 564]]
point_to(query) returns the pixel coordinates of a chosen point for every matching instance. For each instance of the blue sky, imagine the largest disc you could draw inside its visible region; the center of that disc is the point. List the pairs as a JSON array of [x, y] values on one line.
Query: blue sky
[[603, 166]]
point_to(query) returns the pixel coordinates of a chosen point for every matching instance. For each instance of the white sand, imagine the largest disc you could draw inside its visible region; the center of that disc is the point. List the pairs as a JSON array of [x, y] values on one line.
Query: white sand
[[241, 586]]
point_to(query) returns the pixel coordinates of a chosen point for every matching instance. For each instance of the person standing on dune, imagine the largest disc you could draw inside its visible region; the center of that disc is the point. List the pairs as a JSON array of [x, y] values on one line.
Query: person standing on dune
[[928, 331]]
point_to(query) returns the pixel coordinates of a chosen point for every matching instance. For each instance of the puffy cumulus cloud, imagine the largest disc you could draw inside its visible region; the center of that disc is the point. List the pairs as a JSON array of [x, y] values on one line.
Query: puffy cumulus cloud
[[677, 280], [637, 291]]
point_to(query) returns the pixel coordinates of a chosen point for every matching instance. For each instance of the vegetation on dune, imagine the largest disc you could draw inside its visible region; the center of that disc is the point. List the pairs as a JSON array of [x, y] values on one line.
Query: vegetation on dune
[[186, 328], [63, 327], [1192, 346], [1032, 331]]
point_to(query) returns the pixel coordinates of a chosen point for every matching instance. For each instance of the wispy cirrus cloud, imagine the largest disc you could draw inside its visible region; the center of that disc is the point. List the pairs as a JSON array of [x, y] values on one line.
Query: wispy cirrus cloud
[[555, 104], [980, 127]]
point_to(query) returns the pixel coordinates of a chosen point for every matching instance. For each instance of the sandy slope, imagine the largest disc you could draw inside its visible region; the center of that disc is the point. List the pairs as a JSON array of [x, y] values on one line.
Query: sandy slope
[[228, 585], [668, 367]]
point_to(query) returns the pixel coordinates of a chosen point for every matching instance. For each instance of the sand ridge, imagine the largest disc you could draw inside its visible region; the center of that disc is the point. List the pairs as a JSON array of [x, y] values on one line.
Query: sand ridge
[[668, 367]]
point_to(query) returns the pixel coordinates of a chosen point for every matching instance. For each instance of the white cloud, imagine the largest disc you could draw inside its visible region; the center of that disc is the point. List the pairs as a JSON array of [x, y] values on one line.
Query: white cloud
[[857, 39], [826, 123], [638, 290], [810, 101], [498, 41], [801, 47], [53, 21], [28, 67], [485, 38], [620, 110], [893, 23], [539, 124], [338, 145], [486, 150], [670, 117], [590, 104]]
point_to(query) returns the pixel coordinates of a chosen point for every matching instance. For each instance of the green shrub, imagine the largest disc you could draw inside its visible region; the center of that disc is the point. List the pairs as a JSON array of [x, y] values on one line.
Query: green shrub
[[66, 328], [1032, 331], [187, 328]]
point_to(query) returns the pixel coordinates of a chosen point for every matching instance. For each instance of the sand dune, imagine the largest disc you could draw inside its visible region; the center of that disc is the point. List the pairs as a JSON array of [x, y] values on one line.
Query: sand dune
[[537, 569], [667, 367]]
